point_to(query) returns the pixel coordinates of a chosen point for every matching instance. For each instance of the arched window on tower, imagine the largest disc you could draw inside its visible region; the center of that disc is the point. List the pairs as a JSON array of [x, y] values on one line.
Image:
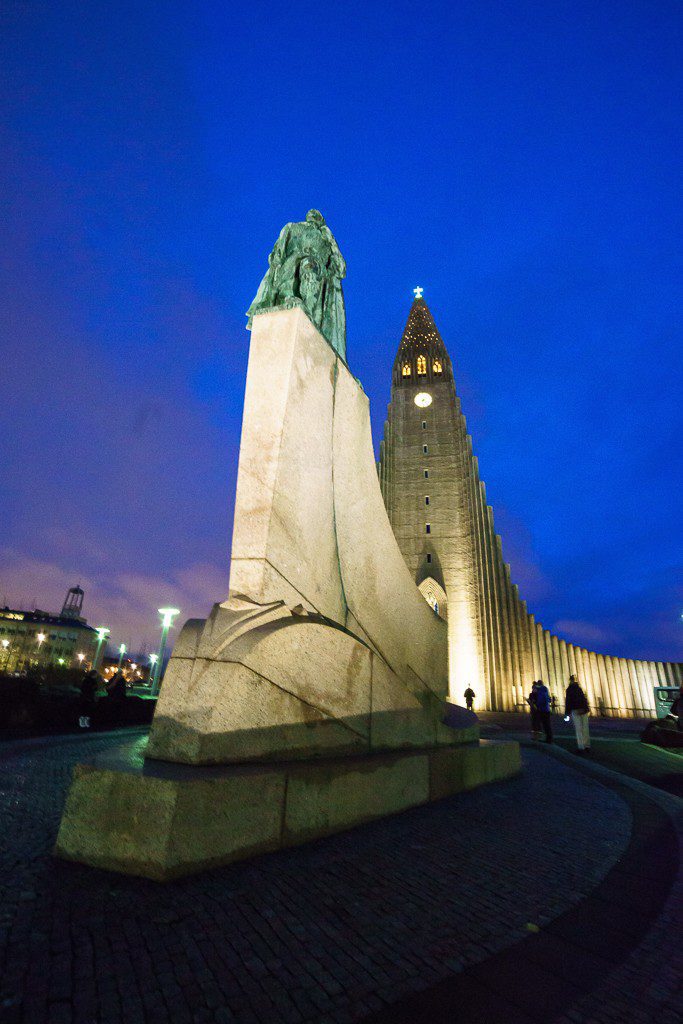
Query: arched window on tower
[[421, 366], [437, 367], [405, 370]]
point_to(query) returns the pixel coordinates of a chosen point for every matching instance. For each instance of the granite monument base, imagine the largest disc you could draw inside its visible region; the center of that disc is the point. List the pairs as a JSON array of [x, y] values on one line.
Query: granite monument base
[[164, 821]]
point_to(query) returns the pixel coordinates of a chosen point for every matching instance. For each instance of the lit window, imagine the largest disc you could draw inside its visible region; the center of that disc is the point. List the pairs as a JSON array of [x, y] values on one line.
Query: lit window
[[405, 370], [425, 449], [426, 500], [421, 366], [428, 528], [436, 366]]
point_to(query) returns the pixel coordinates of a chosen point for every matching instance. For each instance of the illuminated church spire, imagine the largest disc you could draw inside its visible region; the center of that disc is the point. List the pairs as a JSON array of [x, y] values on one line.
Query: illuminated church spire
[[422, 357]]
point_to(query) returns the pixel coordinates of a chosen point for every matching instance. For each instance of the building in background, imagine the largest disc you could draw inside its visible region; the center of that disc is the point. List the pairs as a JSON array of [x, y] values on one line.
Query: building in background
[[437, 507], [38, 639]]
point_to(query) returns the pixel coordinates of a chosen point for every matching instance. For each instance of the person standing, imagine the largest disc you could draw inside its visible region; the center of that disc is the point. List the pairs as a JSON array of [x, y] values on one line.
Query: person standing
[[576, 707], [535, 718], [469, 697], [543, 705]]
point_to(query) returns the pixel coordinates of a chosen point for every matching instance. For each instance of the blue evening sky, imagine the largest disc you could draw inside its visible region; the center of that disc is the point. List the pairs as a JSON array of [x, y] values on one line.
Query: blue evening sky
[[519, 160]]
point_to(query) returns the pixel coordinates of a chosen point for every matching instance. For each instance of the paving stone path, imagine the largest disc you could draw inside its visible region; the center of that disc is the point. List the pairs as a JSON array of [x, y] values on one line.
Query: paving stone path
[[333, 931]]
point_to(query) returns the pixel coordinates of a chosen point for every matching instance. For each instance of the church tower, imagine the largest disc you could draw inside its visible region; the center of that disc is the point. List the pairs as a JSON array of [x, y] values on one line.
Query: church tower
[[444, 527], [428, 483]]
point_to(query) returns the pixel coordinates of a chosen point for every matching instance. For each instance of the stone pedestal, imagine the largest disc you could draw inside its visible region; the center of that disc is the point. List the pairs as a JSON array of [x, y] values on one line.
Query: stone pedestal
[[167, 820]]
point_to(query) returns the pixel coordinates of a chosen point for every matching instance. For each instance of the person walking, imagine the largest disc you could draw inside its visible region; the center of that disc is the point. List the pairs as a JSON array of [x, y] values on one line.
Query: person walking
[[576, 708], [535, 717], [543, 706], [469, 698]]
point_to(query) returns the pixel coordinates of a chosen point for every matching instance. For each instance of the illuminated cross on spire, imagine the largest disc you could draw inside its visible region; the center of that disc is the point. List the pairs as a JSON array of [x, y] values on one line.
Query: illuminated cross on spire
[[417, 292]]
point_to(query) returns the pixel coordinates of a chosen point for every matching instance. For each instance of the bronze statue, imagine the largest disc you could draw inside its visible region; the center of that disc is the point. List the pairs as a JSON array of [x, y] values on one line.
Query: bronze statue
[[306, 269]]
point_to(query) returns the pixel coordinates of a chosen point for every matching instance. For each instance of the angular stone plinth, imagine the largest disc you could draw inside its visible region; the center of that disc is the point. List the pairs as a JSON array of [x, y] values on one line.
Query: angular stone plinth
[[169, 821]]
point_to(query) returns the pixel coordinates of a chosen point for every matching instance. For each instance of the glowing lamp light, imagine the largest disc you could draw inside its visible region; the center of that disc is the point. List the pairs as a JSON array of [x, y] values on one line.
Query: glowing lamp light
[[60, 660], [102, 632], [154, 658], [41, 638], [80, 657], [167, 616], [122, 649], [5, 644]]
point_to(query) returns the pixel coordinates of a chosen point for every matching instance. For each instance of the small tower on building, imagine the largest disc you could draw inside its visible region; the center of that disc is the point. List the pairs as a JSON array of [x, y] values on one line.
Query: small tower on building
[[73, 604]]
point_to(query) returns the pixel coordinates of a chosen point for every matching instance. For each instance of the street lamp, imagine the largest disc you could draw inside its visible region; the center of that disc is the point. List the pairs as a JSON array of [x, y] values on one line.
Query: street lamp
[[167, 616], [81, 658], [102, 634], [153, 659], [122, 651]]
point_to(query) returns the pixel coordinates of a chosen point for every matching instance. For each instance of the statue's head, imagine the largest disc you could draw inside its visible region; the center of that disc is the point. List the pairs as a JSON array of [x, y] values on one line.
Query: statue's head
[[315, 217]]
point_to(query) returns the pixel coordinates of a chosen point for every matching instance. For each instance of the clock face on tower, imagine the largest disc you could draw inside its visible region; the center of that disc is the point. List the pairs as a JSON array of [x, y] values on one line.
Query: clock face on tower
[[423, 399]]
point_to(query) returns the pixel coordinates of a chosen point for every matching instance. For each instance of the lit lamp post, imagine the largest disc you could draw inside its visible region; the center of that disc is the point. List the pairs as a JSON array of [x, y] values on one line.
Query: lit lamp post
[[167, 616], [41, 638], [102, 634], [5, 651], [153, 659], [122, 651]]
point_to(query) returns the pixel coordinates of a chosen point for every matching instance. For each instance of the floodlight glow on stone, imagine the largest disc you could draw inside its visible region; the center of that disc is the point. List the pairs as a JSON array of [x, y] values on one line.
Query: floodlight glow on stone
[[417, 292], [423, 399]]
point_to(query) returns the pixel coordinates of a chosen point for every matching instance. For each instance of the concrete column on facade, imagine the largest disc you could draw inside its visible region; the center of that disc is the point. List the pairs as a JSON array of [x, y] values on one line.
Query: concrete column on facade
[[557, 666], [509, 677], [483, 641], [614, 682], [600, 695], [549, 666], [564, 666], [605, 683], [638, 683], [493, 665], [586, 678], [620, 669], [533, 639], [528, 644], [491, 550], [512, 634]]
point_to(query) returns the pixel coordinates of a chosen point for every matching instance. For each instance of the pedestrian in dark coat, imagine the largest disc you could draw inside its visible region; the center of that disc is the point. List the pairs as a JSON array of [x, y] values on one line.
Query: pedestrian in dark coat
[[535, 717], [576, 708], [543, 705], [469, 697]]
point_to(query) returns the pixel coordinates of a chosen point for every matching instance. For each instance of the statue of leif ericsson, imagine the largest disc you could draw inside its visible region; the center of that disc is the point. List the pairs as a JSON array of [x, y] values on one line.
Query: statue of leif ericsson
[[306, 269]]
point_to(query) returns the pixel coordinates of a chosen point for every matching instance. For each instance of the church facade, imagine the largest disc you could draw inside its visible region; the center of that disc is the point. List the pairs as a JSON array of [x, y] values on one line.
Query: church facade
[[436, 503]]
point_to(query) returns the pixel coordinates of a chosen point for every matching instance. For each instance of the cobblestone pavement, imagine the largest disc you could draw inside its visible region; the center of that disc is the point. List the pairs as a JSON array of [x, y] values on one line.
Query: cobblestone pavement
[[329, 932]]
